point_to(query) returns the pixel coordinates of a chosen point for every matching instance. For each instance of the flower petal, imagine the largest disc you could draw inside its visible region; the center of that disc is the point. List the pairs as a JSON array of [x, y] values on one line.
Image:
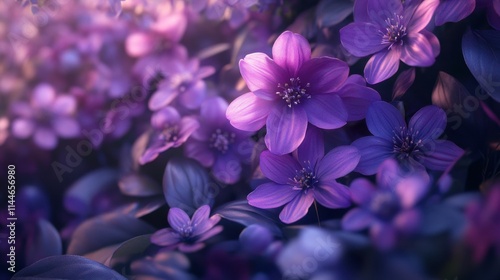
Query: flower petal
[[326, 111], [23, 128], [66, 127], [165, 237], [187, 126], [162, 97], [278, 168], [45, 138], [290, 51], [361, 38], [199, 151], [383, 120], [407, 221], [262, 75], [43, 96], [312, 148], [380, 10], [227, 168], [213, 111], [333, 195], [421, 16], [337, 163], [190, 248], [211, 232], [164, 118], [417, 51], [382, 65], [248, 112], [297, 208], [433, 40], [453, 11], [357, 219], [373, 151], [357, 99], [410, 190], [193, 96], [362, 191], [443, 155], [272, 195], [286, 129], [323, 74], [383, 235], [177, 219], [428, 122]]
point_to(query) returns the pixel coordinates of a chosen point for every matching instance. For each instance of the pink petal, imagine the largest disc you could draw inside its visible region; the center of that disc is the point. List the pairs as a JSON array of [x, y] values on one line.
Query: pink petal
[[43, 96], [382, 65], [162, 97], [139, 44], [422, 15], [248, 112], [45, 138], [417, 51], [290, 51], [262, 75], [22, 128]]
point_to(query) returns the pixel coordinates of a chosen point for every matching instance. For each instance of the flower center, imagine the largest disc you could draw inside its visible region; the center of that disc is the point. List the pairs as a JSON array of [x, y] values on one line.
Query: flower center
[[304, 179], [384, 204], [293, 91], [169, 134], [394, 32], [406, 144], [220, 140]]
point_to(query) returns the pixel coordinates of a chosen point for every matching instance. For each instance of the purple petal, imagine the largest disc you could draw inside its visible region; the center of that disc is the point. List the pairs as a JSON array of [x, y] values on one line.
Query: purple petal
[[278, 168], [326, 111], [64, 105], [165, 237], [248, 112], [227, 168], [212, 232], [383, 120], [199, 151], [337, 163], [313, 147], [388, 173], [493, 18], [262, 75], [410, 190], [382, 65], [297, 208], [421, 16], [205, 225], [433, 40], [443, 155], [357, 219], [360, 11], [162, 97], [66, 127], [332, 195], [383, 235], [187, 125], [453, 11], [271, 195], [380, 10], [357, 99], [417, 51], [22, 128], [403, 83], [213, 112], [193, 96], [190, 248], [165, 118], [324, 74], [154, 149], [428, 122], [356, 79], [361, 191], [200, 215], [290, 51], [373, 151], [45, 138], [43, 96], [407, 221], [139, 44], [361, 38], [177, 219], [286, 129]]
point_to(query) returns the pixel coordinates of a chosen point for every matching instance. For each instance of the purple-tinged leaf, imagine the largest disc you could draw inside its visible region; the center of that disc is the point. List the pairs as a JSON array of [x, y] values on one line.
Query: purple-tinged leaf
[[242, 213], [67, 267], [448, 92], [105, 230], [329, 13], [46, 242], [138, 185], [481, 50], [129, 249], [403, 83], [186, 185]]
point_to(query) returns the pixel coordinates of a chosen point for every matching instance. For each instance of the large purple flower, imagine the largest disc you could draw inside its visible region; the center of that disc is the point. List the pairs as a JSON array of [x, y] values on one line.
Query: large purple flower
[[169, 131], [415, 144], [217, 144], [291, 90], [300, 179], [388, 209], [392, 31], [187, 234]]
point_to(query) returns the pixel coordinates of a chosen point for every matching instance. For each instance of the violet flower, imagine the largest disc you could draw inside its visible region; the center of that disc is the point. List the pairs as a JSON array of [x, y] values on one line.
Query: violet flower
[[235, 11], [392, 31], [47, 117], [415, 144], [169, 131], [307, 176], [289, 91], [217, 144], [453, 11], [187, 234], [387, 209]]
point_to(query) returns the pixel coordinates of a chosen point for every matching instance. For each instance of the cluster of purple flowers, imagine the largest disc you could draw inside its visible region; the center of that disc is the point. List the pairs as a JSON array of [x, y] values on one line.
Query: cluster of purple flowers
[[251, 139]]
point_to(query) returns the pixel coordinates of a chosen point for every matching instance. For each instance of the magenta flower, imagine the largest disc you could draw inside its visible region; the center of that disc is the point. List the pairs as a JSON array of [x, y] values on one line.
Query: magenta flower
[[392, 31], [217, 144], [414, 144], [187, 234], [388, 209], [169, 131], [300, 179], [292, 90], [46, 118]]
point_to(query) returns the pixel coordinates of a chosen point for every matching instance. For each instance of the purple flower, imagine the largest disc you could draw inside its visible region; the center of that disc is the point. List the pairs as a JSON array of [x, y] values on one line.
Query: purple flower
[[187, 234], [47, 117], [414, 144], [392, 31], [217, 144], [492, 12], [387, 209], [293, 89], [453, 11], [235, 11], [169, 131], [307, 176]]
